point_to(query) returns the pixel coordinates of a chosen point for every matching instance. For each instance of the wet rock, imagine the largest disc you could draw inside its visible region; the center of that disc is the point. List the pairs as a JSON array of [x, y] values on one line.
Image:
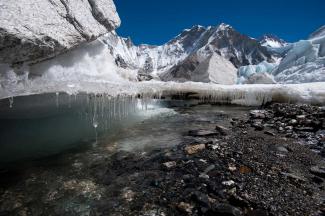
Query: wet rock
[[222, 130], [226, 210], [202, 133], [193, 149], [317, 170]]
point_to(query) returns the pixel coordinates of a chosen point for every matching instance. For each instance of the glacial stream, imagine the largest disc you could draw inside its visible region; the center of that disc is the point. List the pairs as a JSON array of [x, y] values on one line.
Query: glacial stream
[[53, 158]]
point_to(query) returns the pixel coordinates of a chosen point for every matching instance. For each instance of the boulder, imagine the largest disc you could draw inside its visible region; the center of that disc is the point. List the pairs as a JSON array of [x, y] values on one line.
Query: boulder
[[35, 30]]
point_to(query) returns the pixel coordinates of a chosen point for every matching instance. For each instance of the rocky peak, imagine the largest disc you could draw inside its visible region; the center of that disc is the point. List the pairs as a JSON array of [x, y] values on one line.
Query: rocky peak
[[272, 41]]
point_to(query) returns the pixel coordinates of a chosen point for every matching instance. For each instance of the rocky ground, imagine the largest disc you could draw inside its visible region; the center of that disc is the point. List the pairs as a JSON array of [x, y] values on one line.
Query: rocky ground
[[268, 162]]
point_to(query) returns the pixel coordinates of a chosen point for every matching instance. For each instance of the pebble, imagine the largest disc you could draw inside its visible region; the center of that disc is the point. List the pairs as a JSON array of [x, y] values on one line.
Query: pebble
[[170, 164], [193, 149]]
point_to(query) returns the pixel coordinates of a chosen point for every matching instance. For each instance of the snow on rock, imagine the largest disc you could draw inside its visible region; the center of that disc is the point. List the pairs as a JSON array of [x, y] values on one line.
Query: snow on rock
[[34, 30]]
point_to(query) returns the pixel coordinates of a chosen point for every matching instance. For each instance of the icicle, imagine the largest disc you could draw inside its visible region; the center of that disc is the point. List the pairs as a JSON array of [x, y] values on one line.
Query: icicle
[[57, 99], [11, 102]]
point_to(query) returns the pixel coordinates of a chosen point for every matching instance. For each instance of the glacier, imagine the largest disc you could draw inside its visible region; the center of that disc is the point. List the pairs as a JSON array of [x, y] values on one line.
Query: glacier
[[304, 62]]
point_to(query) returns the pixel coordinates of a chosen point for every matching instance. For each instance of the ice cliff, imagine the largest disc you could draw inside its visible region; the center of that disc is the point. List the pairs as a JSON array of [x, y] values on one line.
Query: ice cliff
[[34, 30]]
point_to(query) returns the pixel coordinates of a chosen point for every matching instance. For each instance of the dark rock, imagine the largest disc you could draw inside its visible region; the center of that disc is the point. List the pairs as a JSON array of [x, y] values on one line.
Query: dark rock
[[319, 171], [269, 133], [225, 210], [201, 198], [209, 168]]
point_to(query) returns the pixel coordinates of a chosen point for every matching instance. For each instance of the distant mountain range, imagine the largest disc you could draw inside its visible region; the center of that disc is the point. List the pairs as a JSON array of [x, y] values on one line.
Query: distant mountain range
[[222, 55]]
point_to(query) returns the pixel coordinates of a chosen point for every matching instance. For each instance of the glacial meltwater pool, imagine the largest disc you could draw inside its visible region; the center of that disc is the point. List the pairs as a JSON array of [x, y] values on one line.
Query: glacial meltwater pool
[[54, 160]]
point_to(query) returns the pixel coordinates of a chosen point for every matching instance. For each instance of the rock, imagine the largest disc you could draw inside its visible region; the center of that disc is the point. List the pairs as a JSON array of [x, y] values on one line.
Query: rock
[[300, 117], [317, 170], [185, 207], [282, 149], [293, 122], [228, 183], [209, 168], [202, 133], [269, 133], [193, 149], [232, 167], [201, 198], [222, 130], [170, 164], [226, 209], [245, 170], [258, 126], [31, 31], [204, 176], [258, 114]]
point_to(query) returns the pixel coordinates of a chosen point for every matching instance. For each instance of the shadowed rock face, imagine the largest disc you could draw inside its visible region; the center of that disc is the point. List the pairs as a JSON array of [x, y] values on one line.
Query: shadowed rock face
[[34, 30]]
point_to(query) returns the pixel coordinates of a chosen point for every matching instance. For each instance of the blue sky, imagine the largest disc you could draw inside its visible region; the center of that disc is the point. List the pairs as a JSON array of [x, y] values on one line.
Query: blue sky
[[158, 21]]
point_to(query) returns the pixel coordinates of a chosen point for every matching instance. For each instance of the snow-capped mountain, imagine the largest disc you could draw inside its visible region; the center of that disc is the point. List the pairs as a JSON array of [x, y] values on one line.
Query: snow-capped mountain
[[181, 58], [220, 54]]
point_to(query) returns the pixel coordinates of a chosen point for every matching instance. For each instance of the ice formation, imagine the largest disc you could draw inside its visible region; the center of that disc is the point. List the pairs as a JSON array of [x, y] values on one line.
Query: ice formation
[[304, 62], [245, 72]]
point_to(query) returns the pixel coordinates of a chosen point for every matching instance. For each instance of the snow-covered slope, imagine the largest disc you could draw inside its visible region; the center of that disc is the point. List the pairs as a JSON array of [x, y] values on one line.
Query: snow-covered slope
[[305, 61], [183, 54]]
